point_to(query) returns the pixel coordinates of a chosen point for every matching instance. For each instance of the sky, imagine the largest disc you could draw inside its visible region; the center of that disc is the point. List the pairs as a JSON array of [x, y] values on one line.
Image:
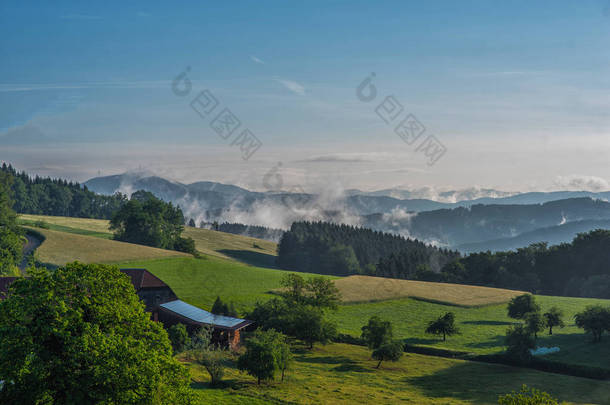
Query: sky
[[510, 95]]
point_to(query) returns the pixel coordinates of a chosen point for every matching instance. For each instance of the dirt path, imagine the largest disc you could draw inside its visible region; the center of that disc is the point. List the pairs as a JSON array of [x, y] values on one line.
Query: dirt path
[[32, 243]]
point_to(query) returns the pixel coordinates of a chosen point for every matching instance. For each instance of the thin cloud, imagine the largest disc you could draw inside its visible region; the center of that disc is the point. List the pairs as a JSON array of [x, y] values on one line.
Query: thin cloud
[[582, 183], [293, 86], [256, 60]]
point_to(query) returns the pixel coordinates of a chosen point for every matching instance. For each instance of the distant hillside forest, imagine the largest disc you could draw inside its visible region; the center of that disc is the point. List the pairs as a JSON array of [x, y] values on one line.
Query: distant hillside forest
[[580, 268], [47, 196], [326, 248]]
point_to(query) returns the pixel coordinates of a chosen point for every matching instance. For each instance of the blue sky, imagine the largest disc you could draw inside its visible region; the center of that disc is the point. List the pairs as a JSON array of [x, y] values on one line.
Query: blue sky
[[517, 92]]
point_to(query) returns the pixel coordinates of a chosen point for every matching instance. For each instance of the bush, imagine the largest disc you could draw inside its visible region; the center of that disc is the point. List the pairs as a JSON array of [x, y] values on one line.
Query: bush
[[527, 396]]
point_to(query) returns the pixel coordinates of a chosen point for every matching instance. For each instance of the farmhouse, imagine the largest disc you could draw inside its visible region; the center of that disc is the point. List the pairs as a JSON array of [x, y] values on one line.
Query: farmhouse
[[165, 307]]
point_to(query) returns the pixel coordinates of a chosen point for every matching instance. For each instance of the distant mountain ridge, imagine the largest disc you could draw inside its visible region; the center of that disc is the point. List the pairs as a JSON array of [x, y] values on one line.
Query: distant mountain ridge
[[480, 223]]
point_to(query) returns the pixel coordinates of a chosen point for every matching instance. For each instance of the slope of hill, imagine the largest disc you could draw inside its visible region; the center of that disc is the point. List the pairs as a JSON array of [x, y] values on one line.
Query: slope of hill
[[60, 248], [366, 288], [220, 244]]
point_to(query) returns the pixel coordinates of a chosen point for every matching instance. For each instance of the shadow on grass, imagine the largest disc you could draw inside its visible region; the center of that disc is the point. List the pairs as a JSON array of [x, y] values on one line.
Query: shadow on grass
[[345, 364], [253, 258], [481, 383], [422, 341], [496, 341], [489, 323]]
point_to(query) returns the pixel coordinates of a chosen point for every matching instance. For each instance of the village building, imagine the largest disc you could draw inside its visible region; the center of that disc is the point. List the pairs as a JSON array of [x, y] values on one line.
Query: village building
[[164, 306]]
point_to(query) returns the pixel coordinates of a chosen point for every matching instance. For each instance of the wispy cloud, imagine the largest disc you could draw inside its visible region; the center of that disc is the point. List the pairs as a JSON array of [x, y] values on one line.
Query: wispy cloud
[[293, 86], [143, 14], [256, 60], [586, 183]]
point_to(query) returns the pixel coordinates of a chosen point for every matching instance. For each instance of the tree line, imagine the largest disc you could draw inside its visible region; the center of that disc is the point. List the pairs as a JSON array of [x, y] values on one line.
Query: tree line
[[46, 196], [579, 268], [338, 249]]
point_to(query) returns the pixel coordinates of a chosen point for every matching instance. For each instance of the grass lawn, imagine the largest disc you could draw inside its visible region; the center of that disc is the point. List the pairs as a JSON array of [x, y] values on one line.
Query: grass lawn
[[199, 281], [60, 248], [482, 329], [240, 248], [366, 288], [345, 374]]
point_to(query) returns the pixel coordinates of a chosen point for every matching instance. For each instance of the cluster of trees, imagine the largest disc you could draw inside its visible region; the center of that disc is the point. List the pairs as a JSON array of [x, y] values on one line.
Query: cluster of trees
[[326, 248], [521, 338], [300, 310], [80, 334], [147, 220], [579, 268], [11, 235], [47, 196]]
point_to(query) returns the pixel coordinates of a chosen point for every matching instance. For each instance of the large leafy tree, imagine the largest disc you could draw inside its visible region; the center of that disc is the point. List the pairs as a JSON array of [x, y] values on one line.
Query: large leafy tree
[[266, 352], [11, 242], [80, 335], [377, 332], [595, 319], [520, 306], [147, 220]]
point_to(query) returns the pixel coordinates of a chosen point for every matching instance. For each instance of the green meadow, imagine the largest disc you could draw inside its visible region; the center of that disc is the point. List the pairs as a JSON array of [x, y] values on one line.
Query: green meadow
[[345, 374]]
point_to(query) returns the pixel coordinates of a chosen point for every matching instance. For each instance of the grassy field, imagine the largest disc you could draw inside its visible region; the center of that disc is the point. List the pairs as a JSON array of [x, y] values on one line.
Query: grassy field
[[200, 281], [345, 374], [60, 248], [365, 288], [248, 250], [482, 329]]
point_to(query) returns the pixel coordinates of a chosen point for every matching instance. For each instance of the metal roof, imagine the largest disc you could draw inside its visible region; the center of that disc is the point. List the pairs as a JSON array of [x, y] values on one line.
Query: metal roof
[[199, 315]]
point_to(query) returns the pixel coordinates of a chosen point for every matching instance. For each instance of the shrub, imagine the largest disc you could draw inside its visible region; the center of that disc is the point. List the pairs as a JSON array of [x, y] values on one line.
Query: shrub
[[527, 396]]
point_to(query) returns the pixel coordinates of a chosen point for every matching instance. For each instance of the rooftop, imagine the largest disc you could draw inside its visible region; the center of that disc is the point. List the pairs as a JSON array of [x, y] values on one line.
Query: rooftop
[[204, 317]]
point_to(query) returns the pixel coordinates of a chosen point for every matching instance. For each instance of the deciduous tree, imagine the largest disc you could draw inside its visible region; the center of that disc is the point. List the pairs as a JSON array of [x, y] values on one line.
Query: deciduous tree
[[553, 317], [444, 325], [80, 335]]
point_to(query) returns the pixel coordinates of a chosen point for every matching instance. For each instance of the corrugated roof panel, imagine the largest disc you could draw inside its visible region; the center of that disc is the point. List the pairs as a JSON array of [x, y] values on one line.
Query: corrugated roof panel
[[200, 315]]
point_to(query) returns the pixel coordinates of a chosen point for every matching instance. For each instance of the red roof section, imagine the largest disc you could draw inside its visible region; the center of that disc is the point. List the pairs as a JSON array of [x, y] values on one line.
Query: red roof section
[[142, 278]]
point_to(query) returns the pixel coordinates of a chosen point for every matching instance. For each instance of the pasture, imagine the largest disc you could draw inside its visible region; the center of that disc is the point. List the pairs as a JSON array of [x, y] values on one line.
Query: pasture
[[345, 374], [60, 248], [224, 245], [365, 288]]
